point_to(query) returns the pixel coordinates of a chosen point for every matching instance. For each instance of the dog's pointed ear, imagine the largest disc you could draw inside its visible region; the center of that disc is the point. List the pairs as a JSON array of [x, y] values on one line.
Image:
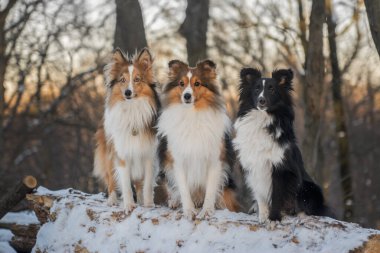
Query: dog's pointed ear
[[175, 66], [113, 69], [145, 59], [206, 65], [249, 75], [284, 77], [119, 57], [207, 68]]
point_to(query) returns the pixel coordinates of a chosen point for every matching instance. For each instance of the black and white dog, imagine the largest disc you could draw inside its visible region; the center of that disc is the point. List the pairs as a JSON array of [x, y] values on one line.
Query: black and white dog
[[267, 147]]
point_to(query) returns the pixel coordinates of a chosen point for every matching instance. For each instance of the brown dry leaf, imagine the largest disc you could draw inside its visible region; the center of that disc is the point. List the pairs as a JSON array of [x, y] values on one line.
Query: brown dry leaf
[[295, 240], [155, 221], [53, 216], [253, 228], [80, 249], [118, 216], [91, 214]]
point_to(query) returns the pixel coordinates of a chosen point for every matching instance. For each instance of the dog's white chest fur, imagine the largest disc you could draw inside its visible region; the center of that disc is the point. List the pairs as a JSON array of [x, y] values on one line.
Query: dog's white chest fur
[[255, 146], [194, 139], [125, 124], [257, 151]]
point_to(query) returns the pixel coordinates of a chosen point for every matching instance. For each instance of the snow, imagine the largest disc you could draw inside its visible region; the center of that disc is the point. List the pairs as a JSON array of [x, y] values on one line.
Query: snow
[[22, 218], [5, 237], [84, 221], [6, 248]]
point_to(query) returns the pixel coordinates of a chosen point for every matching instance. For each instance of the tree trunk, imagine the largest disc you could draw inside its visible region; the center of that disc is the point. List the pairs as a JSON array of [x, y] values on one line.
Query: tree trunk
[[312, 89], [194, 30], [373, 14], [129, 32], [3, 64], [16, 194], [340, 123]]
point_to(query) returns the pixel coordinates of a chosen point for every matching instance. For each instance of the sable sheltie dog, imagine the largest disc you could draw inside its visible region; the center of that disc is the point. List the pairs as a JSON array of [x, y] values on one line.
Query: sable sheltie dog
[[126, 142], [267, 148], [195, 150]]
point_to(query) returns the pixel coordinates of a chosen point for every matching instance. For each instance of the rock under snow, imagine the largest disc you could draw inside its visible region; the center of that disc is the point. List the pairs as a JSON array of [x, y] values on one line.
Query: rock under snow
[[80, 222]]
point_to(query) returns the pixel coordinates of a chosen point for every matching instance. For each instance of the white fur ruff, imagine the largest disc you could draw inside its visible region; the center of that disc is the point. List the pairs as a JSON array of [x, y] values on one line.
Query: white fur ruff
[[125, 125], [194, 141], [124, 119], [258, 151]]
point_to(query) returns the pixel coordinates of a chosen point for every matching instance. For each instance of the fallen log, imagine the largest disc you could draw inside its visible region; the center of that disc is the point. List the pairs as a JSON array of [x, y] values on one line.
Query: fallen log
[[22, 244], [24, 235], [16, 194], [80, 222], [29, 231]]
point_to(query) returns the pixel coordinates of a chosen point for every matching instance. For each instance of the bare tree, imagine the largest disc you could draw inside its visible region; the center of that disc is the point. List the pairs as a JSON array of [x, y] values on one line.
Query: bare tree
[[312, 89], [194, 30], [129, 32], [373, 14], [340, 119], [50, 96], [9, 35]]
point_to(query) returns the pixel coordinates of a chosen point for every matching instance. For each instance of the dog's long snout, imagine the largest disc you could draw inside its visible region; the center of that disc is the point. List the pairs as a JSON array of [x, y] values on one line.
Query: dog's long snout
[[187, 96], [262, 101], [128, 93]]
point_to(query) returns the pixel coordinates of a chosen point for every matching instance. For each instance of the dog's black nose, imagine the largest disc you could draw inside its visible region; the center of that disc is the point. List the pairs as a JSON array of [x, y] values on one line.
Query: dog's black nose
[[187, 96], [262, 101], [128, 93]]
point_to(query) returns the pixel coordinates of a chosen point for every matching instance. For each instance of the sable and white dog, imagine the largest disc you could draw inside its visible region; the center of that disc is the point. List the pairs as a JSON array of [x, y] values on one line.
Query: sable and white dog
[[126, 142], [267, 147], [195, 151]]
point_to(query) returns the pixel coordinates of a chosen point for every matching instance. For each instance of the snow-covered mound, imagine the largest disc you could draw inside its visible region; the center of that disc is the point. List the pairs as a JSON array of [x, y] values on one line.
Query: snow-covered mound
[[80, 222], [23, 218]]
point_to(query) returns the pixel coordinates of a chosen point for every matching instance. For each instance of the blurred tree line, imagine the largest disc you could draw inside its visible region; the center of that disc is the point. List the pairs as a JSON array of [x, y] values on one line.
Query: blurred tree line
[[52, 54]]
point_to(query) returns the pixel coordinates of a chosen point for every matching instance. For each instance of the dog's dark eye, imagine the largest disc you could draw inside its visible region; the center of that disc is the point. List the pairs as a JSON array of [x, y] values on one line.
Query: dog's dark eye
[[137, 79], [197, 83], [257, 90], [122, 80], [271, 88], [182, 83]]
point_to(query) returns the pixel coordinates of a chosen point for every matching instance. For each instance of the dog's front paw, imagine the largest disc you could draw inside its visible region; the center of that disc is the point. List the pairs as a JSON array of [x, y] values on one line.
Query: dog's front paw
[[149, 204], [271, 225], [173, 203], [112, 199], [189, 213], [129, 207], [206, 212], [263, 216]]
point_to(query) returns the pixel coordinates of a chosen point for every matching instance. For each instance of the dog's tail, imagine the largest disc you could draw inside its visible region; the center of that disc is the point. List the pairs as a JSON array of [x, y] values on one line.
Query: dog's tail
[[230, 200], [103, 168], [229, 195], [311, 201]]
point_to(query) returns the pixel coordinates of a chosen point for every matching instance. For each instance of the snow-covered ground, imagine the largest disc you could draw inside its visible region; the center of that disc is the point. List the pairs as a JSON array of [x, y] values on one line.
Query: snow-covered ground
[[5, 237], [22, 218], [83, 221]]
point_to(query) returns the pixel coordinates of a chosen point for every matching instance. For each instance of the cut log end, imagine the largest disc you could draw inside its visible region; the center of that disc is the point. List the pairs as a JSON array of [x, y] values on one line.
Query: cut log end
[[30, 182], [16, 194]]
